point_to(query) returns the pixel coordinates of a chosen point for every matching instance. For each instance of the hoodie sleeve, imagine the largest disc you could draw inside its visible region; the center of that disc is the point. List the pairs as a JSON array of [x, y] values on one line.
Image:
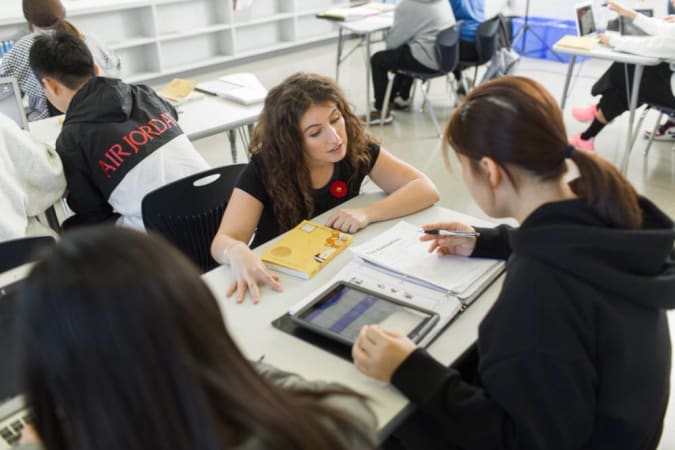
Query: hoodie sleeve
[[530, 397], [84, 198], [400, 32], [660, 45], [38, 167], [493, 242]]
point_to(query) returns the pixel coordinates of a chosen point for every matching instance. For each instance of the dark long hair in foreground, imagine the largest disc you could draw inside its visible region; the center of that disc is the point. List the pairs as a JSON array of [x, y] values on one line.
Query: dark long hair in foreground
[[125, 348]]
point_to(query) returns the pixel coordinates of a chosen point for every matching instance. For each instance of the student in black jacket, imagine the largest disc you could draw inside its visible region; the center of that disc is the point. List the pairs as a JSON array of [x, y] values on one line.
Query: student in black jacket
[[118, 141], [575, 353]]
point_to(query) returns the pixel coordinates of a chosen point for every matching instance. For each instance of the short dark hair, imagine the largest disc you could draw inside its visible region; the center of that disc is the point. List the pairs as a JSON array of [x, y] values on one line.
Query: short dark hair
[[62, 56]]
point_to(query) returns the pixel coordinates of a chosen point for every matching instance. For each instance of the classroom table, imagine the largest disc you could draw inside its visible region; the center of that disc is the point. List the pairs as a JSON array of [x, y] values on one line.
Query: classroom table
[[250, 325], [600, 51], [198, 119], [364, 29]]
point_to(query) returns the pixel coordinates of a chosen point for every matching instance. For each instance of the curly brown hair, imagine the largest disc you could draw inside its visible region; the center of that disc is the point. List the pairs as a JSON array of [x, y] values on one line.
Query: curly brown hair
[[278, 143]]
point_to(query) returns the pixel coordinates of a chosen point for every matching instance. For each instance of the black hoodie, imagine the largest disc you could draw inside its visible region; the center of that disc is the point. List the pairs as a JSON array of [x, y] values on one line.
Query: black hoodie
[[118, 143], [575, 353]]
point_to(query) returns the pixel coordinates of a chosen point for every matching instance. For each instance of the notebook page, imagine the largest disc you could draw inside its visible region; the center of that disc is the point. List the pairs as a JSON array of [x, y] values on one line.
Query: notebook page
[[399, 249]]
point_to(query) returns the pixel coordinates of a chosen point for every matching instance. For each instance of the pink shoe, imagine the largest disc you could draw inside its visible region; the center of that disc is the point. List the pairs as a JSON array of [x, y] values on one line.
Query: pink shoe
[[585, 113], [580, 144]]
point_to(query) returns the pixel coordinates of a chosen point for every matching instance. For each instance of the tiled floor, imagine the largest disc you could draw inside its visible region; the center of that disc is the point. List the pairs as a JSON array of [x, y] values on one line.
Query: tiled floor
[[412, 136]]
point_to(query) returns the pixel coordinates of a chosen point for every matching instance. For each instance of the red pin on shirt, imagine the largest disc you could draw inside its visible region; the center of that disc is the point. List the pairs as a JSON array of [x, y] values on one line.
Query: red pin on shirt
[[338, 189]]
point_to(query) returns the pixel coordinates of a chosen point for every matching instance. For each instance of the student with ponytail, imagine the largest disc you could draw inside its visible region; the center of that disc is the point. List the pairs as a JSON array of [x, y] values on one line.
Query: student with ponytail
[[47, 16], [575, 353]]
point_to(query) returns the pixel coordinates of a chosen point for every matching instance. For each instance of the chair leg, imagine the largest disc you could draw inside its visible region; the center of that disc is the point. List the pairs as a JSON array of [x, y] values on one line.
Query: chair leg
[[637, 127], [475, 77], [387, 98], [431, 109], [651, 137]]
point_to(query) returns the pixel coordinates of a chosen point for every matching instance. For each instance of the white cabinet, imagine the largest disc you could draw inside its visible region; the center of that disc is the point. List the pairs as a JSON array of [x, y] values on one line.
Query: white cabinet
[[156, 38]]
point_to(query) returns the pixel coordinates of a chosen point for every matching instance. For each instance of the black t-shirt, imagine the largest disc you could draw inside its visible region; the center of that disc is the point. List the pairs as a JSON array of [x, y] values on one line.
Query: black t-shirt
[[337, 191]]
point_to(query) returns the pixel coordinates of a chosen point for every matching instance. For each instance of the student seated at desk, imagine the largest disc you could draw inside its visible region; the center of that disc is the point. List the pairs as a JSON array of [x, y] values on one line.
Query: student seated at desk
[[575, 353], [44, 17], [310, 153], [118, 141], [411, 44], [125, 348], [31, 180], [657, 84]]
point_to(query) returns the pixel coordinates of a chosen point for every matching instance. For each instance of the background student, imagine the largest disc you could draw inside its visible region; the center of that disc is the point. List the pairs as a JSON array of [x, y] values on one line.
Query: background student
[[31, 180], [575, 353], [410, 46], [125, 348], [118, 141], [45, 16], [655, 87], [471, 13], [310, 153]]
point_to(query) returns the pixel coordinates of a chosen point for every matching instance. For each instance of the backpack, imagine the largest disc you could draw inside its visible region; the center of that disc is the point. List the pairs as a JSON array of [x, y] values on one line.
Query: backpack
[[505, 58]]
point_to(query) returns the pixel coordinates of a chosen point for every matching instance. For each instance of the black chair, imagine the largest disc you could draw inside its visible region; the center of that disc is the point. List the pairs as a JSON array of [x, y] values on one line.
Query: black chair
[[447, 55], [21, 251], [188, 211], [486, 47]]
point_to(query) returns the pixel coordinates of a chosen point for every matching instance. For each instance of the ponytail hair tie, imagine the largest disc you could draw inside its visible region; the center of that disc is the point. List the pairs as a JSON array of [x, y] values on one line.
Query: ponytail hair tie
[[568, 151]]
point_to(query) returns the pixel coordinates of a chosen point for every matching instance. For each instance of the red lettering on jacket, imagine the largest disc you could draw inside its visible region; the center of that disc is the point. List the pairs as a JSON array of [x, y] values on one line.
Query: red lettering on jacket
[[135, 139]]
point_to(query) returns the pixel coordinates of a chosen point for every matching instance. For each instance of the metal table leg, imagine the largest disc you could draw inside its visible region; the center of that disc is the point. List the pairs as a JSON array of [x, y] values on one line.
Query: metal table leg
[[637, 78], [570, 67]]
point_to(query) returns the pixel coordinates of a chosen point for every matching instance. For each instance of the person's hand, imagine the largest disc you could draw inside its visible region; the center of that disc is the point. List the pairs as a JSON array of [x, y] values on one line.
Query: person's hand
[[378, 353], [248, 270], [29, 436], [670, 19], [348, 220], [604, 39], [621, 10], [449, 245]]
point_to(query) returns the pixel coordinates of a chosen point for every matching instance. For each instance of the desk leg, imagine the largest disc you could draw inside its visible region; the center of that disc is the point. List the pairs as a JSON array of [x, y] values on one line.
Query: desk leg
[[570, 68], [339, 55], [637, 78], [233, 144], [367, 56]]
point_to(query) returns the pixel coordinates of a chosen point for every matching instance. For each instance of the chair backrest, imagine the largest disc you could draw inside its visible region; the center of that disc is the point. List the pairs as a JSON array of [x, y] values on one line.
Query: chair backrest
[[21, 251], [486, 40], [447, 48], [188, 211]]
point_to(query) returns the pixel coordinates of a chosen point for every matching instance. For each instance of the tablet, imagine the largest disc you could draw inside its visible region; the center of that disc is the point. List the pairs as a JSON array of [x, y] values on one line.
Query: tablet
[[343, 309]]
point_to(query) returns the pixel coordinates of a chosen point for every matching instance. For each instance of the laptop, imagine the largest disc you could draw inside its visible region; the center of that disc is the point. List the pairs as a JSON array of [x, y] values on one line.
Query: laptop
[[626, 27], [585, 20], [14, 415], [11, 103]]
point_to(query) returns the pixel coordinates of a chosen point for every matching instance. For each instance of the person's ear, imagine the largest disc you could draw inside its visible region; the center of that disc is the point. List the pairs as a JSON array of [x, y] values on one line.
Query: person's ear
[[97, 70], [493, 171], [51, 86]]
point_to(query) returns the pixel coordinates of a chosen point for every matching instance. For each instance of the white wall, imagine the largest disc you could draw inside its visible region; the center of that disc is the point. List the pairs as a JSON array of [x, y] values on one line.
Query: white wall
[[564, 9]]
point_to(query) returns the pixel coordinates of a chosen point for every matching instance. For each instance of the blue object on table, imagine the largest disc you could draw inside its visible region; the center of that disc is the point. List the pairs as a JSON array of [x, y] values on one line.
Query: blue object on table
[[550, 30]]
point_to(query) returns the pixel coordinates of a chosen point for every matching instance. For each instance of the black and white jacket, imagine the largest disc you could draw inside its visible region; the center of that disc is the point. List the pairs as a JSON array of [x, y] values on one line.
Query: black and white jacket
[[118, 143]]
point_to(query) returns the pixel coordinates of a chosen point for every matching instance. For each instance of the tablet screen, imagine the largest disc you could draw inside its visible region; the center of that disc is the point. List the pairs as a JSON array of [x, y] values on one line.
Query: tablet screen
[[345, 309]]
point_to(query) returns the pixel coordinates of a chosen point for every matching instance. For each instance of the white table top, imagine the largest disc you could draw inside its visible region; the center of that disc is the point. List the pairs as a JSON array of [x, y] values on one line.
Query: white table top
[[250, 325], [601, 51], [370, 24], [198, 119]]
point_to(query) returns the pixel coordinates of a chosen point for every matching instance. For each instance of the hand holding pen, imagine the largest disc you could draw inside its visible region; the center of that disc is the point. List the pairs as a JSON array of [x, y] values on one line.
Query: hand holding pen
[[450, 238]]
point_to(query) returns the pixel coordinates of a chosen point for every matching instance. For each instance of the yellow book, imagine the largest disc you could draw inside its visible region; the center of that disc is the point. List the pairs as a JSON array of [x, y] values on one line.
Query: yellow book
[[578, 42], [306, 249]]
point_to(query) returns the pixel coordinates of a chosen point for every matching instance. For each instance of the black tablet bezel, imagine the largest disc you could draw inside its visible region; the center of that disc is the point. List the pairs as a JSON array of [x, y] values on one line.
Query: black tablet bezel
[[416, 335]]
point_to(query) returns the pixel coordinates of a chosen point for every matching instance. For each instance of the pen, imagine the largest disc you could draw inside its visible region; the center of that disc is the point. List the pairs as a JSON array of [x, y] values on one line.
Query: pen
[[452, 233]]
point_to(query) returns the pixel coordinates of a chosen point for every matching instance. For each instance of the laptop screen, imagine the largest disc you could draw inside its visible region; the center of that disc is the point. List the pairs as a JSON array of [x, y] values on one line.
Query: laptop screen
[[11, 104], [626, 26], [585, 19], [10, 385]]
